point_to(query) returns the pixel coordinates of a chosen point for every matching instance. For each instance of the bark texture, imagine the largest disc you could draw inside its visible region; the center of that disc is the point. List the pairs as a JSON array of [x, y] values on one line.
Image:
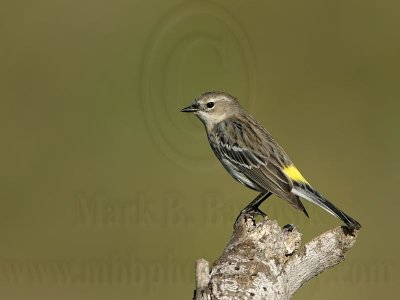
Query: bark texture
[[265, 261]]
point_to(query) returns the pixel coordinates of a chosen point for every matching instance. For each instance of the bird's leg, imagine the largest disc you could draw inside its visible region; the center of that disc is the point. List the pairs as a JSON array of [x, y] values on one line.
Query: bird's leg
[[253, 207], [257, 202]]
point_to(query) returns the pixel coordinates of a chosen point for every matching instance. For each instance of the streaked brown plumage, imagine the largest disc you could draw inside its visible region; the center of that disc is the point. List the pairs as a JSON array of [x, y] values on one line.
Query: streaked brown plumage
[[250, 154]]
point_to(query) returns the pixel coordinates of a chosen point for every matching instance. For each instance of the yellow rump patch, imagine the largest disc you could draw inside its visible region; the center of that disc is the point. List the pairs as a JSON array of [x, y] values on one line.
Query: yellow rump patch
[[294, 174]]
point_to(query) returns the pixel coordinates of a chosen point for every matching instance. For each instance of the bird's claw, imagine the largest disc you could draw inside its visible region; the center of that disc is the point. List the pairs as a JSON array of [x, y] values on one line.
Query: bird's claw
[[250, 212]]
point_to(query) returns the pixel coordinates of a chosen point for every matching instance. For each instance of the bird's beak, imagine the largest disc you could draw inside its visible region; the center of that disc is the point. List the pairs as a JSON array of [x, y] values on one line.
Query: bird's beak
[[190, 108]]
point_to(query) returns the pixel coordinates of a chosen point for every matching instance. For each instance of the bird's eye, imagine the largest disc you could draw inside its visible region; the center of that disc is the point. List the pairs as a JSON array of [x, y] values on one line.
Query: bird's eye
[[210, 104]]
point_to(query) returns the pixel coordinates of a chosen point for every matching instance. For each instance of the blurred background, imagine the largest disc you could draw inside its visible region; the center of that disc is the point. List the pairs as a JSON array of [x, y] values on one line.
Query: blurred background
[[107, 191]]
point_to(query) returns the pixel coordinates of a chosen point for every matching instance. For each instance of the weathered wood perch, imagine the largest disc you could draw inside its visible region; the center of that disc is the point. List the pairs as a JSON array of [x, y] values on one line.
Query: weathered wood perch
[[265, 261]]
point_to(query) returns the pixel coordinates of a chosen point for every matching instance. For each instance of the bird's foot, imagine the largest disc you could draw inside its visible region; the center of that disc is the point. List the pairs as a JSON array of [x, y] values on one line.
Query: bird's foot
[[250, 212]]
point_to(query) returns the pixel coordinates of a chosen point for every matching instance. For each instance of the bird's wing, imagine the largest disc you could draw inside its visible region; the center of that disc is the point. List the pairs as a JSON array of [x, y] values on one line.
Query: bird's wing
[[253, 154]]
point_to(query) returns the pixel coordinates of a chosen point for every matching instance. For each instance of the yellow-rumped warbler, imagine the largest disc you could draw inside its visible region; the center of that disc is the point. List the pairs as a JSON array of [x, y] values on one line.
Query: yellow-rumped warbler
[[250, 155]]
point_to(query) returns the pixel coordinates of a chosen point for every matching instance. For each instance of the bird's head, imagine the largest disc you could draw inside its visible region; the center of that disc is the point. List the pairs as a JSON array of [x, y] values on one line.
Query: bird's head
[[213, 107]]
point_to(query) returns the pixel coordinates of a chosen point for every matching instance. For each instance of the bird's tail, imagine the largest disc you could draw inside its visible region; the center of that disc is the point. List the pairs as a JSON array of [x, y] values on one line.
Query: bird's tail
[[307, 192]]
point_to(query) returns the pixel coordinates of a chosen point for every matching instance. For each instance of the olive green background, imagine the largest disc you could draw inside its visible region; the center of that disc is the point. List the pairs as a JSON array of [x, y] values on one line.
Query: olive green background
[[107, 191]]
